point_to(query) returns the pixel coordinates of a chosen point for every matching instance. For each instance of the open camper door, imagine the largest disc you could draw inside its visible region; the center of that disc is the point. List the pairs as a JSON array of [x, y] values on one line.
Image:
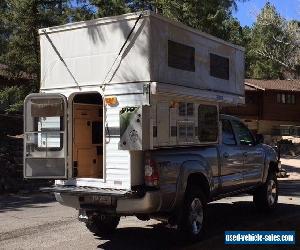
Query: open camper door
[[45, 136]]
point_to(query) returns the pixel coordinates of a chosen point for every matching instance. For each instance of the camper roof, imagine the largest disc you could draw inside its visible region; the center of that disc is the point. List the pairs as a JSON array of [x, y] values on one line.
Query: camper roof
[[131, 16]]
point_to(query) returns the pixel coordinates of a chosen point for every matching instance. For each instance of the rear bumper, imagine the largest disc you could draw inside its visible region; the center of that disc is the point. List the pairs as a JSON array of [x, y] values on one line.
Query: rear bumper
[[149, 203], [125, 204]]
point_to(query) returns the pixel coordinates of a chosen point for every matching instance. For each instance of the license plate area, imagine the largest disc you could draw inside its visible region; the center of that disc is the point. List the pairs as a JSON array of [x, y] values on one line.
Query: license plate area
[[99, 200]]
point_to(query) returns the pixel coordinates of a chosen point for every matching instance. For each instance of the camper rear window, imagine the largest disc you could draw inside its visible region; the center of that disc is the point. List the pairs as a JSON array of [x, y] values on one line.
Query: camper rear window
[[207, 123], [181, 56], [219, 66]]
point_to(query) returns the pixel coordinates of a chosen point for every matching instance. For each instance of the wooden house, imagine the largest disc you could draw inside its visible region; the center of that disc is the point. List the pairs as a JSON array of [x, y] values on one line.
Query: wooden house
[[272, 107]]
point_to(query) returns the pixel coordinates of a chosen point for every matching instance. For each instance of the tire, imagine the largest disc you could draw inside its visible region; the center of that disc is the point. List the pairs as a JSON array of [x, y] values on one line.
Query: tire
[[192, 222], [102, 225], [266, 197]]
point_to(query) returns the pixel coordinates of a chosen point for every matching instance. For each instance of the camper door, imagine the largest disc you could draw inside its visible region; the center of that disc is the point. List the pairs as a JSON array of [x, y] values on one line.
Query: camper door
[[45, 136]]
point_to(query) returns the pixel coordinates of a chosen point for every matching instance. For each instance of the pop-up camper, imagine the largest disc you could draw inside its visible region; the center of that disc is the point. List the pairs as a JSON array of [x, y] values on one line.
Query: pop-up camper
[[127, 123], [116, 87]]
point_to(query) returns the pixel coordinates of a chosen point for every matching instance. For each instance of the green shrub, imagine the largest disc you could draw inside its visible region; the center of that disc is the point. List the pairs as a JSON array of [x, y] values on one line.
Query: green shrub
[[12, 98]]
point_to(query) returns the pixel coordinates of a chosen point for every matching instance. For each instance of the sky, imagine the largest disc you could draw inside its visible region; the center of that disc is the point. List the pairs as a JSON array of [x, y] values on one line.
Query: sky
[[248, 10]]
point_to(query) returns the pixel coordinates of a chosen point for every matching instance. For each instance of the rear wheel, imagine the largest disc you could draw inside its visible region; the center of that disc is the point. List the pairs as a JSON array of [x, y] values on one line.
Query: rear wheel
[[265, 197], [101, 224], [192, 223]]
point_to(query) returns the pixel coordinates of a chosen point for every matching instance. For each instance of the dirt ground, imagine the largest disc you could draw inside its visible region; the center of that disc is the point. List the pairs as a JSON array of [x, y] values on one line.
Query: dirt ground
[[292, 165]]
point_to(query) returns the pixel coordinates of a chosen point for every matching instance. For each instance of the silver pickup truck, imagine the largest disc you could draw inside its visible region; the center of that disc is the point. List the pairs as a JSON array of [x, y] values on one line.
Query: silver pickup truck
[[180, 182]]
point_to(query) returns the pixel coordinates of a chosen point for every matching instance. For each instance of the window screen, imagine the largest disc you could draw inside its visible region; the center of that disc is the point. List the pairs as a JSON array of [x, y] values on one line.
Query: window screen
[[219, 66], [49, 136], [45, 124], [186, 131], [181, 56], [207, 123]]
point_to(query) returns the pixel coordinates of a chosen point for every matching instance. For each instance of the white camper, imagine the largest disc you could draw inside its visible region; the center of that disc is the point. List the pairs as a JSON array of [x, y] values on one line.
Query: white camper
[[115, 87]]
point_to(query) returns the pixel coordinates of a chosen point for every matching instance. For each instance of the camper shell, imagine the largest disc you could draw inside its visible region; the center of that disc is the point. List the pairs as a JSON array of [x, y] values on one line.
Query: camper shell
[[117, 87]]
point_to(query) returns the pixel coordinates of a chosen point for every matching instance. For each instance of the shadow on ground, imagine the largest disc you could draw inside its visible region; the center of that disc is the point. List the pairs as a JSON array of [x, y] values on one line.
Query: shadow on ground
[[18, 202], [220, 217], [289, 187], [290, 168]]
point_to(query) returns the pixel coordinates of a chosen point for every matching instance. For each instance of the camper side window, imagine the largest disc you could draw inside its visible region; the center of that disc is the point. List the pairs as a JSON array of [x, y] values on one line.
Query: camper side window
[[207, 123], [219, 66], [181, 56]]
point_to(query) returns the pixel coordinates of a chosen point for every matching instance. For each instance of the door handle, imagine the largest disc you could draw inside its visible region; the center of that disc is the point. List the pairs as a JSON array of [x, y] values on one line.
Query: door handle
[[245, 154], [226, 155]]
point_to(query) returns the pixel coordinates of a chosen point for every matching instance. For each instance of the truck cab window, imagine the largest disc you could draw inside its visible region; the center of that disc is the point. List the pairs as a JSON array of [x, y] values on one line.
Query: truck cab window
[[228, 137], [244, 135]]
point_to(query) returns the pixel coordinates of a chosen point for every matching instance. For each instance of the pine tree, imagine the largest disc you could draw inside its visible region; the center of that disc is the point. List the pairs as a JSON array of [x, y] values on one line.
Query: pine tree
[[19, 40], [211, 16], [274, 47]]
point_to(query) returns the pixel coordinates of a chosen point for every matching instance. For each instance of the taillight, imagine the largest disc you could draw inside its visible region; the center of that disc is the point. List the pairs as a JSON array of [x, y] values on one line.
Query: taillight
[[151, 172]]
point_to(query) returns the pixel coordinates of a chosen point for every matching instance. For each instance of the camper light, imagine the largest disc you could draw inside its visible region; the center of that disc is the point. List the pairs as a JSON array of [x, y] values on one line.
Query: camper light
[[111, 100], [174, 104]]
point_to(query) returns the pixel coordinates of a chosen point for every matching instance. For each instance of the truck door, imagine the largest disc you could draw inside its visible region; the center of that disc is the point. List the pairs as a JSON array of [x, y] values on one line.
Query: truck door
[[253, 155], [231, 159], [45, 136]]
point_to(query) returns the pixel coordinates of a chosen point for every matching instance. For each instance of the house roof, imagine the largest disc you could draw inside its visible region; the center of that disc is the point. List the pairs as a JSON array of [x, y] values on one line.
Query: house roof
[[283, 85]]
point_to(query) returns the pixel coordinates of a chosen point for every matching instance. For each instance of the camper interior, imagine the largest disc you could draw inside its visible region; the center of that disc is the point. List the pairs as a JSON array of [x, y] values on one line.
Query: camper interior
[[87, 129]]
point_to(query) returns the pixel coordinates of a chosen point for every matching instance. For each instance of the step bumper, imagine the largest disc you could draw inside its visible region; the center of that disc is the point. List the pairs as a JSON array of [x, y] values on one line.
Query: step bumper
[[123, 202]]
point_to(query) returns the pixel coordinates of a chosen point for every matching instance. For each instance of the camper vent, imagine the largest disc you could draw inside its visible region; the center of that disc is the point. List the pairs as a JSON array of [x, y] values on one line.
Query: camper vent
[[182, 109], [186, 109], [186, 131], [190, 109]]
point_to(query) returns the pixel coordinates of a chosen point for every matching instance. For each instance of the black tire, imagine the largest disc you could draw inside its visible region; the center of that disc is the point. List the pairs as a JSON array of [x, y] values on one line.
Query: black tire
[[193, 217], [102, 225], [266, 196]]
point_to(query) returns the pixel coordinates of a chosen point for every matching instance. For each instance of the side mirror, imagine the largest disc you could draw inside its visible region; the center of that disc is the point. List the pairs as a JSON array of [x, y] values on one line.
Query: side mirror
[[259, 139]]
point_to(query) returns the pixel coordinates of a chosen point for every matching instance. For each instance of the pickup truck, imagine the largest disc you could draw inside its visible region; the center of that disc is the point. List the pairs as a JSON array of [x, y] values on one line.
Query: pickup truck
[[180, 182]]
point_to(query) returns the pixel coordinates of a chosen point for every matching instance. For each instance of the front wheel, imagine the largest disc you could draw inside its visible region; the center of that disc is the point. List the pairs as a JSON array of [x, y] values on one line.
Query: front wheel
[[192, 223], [265, 197], [101, 224]]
